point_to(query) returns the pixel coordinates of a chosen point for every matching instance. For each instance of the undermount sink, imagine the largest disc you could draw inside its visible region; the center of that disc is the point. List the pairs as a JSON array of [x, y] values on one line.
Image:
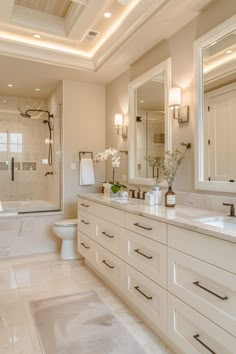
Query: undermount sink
[[222, 222]]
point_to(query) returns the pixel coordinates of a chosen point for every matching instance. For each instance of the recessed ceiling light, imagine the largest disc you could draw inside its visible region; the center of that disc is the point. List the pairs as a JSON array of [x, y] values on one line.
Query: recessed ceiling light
[[36, 35], [5, 101], [107, 14], [10, 85], [26, 106], [141, 101], [228, 51], [37, 89]]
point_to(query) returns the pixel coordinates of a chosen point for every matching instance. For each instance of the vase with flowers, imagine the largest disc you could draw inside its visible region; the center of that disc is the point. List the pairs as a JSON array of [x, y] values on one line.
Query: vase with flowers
[[168, 167], [115, 186]]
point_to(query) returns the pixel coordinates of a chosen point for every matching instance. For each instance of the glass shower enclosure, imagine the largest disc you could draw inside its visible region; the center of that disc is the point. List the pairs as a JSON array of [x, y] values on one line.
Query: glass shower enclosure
[[30, 156]]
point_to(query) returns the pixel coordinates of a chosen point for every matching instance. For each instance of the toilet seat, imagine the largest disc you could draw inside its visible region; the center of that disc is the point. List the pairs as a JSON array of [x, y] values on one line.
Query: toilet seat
[[66, 223]]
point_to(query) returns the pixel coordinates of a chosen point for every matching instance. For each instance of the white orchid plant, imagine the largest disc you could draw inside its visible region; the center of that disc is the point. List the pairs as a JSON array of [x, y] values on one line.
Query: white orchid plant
[[115, 160], [170, 163]]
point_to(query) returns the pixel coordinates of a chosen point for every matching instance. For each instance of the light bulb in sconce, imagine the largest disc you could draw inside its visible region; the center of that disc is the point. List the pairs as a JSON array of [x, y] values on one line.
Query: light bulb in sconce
[[179, 112], [175, 97], [121, 125]]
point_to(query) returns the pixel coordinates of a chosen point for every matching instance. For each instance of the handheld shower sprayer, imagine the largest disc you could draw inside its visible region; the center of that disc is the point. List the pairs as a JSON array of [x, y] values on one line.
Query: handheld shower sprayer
[[46, 121]]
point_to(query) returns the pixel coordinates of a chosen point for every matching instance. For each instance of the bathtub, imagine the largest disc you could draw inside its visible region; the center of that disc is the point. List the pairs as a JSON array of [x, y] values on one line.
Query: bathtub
[[27, 206]]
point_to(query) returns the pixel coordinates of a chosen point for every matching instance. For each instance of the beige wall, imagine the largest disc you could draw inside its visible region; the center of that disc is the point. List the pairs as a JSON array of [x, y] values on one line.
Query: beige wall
[[84, 130], [180, 48]]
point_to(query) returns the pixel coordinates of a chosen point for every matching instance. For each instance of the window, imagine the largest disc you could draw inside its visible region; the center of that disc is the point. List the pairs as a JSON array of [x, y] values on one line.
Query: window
[[10, 142]]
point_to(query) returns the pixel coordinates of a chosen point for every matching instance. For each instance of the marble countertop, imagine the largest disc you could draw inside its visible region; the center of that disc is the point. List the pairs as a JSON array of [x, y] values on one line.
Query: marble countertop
[[181, 216]]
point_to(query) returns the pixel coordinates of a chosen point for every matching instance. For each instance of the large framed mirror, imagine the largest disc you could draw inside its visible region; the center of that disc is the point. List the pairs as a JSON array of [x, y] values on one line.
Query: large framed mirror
[[149, 122], [215, 101]]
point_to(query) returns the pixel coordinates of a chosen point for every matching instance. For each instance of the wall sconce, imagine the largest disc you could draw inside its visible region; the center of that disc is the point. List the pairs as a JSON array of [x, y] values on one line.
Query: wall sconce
[[179, 112], [121, 127]]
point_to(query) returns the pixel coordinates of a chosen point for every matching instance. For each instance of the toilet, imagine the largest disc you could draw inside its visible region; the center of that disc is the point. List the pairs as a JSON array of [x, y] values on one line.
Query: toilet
[[67, 230]]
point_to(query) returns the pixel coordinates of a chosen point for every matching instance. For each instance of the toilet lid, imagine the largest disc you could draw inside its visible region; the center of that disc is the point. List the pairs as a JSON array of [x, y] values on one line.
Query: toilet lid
[[67, 223]]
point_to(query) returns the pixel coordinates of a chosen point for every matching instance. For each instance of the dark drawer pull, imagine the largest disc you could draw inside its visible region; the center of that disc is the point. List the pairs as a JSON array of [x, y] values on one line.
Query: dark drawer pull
[[203, 344], [85, 222], [104, 233], [209, 291], [142, 254], [84, 205], [84, 245], [143, 227], [140, 291], [108, 265]]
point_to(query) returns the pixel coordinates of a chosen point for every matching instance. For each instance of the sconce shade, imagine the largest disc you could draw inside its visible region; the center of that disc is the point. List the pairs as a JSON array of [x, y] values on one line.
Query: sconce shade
[[175, 97], [118, 119]]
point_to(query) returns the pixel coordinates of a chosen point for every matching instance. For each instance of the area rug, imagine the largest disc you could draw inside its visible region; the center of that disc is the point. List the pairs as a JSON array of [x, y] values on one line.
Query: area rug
[[80, 324]]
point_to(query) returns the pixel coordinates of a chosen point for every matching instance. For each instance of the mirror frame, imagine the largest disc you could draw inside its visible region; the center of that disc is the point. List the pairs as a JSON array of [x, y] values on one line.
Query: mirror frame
[[203, 41], [133, 85]]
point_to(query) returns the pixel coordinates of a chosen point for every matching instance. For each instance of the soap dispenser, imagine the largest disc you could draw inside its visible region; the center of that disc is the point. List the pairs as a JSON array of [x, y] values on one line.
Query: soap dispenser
[[157, 193]]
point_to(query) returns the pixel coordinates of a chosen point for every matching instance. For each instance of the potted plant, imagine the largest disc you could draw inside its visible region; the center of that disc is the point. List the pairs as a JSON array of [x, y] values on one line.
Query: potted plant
[[115, 186]]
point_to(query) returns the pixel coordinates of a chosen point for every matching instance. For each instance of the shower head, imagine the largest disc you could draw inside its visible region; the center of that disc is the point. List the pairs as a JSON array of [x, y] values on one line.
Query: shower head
[[24, 115]]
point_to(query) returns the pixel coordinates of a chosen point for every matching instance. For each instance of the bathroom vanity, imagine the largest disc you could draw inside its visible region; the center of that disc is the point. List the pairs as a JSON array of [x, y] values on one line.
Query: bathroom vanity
[[175, 268]]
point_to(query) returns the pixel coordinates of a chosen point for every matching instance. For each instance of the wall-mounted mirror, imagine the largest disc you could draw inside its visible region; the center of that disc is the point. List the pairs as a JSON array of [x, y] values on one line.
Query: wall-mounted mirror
[[150, 134], [216, 109]]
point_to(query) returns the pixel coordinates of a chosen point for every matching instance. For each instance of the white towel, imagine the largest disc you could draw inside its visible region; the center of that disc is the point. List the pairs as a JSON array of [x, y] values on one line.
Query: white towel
[[86, 172]]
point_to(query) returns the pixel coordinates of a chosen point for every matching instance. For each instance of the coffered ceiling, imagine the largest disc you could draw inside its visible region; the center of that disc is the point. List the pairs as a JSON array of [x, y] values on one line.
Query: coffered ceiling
[[77, 39]]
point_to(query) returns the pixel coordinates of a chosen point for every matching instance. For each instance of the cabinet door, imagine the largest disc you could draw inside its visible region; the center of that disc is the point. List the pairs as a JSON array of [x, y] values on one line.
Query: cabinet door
[[86, 247], [147, 256], [211, 289], [110, 236], [86, 223], [108, 213], [195, 334], [147, 296], [150, 228], [110, 266]]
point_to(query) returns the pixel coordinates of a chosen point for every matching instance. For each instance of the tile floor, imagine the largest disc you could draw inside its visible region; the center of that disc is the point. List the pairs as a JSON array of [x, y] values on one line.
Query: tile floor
[[31, 278]]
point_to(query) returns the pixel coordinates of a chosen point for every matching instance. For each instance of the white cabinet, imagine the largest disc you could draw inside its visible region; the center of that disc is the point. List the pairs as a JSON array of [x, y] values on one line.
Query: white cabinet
[[211, 289], [147, 256], [209, 249], [113, 215], [86, 247], [181, 281], [147, 296], [110, 266], [193, 333], [110, 236], [153, 229]]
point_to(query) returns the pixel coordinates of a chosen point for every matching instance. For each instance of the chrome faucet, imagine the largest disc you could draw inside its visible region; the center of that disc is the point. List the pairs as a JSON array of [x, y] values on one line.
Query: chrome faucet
[[232, 209]]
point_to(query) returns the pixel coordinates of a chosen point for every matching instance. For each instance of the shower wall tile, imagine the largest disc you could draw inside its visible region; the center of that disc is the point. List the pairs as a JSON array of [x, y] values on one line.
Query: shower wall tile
[[3, 166]]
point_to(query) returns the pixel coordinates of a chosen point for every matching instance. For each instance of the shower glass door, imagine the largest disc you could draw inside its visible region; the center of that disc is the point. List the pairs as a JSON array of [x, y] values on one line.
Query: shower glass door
[[29, 183]]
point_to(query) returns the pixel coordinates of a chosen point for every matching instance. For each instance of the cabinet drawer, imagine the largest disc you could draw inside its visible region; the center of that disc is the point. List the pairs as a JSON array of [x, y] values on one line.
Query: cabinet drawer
[[147, 256], [211, 289], [212, 250], [153, 229], [110, 266], [86, 247], [195, 334], [86, 223], [113, 215], [109, 236], [147, 296]]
